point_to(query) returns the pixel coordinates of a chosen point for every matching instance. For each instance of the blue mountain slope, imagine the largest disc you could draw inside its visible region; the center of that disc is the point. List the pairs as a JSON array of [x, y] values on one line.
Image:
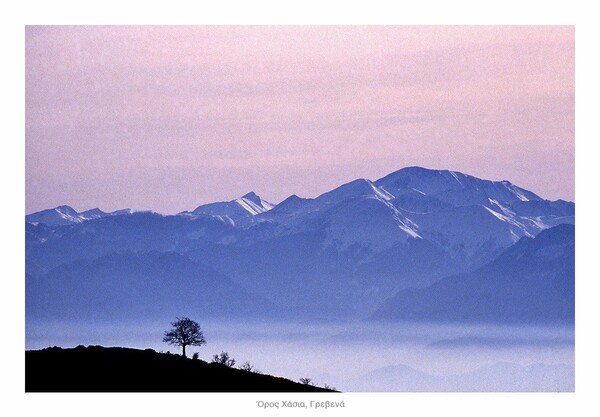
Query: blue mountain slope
[[50, 246], [531, 282], [129, 286]]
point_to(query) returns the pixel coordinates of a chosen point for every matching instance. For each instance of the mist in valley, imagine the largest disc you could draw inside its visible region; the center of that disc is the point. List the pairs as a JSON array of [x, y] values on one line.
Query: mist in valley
[[359, 356]]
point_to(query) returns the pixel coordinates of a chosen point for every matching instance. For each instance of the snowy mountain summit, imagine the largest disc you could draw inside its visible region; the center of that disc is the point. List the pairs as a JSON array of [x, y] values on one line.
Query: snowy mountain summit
[[246, 206], [64, 215]]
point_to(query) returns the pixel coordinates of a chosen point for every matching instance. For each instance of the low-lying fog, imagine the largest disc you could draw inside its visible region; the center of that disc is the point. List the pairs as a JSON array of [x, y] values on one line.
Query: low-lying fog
[[361, 356]]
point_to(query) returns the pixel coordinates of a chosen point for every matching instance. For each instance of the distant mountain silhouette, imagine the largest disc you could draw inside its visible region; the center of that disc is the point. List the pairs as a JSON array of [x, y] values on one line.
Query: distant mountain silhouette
[[116, 369], [496, 377], [130, 286]]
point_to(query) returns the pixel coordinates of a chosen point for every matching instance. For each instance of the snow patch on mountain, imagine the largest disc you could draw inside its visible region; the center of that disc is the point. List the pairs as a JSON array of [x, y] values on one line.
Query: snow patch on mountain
[[381, 193], [515, 191], [510, 221], [252, 205], [248, 205], [66, 215], [455, 177], [367, 221]]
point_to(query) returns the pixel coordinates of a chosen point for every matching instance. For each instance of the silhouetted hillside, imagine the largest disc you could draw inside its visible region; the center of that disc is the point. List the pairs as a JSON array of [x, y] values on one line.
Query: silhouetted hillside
[[115, 369]]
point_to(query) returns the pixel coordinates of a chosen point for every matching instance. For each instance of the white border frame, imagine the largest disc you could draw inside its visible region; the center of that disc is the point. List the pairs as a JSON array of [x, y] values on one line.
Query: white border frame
[[580, 403]]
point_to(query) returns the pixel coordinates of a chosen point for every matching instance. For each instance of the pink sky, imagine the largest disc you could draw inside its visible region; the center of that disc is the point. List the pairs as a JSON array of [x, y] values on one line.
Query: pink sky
[[167, 118]]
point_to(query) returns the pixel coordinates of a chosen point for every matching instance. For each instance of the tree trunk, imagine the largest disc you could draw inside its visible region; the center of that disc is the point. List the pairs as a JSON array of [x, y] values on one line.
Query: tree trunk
[[184, 351]]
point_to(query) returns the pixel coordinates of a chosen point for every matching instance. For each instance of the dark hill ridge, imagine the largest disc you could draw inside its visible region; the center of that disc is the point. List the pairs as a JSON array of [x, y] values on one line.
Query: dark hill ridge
[[117, 369]]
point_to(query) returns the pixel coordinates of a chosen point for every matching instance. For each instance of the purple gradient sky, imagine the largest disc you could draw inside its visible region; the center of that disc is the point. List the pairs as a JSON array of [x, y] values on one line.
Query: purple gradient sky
[[167, 118]]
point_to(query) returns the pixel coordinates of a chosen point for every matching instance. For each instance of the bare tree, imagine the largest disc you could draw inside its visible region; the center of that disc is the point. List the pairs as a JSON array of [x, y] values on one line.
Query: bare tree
[[306, 381], [224, 359], [185, 332], [247, 366]]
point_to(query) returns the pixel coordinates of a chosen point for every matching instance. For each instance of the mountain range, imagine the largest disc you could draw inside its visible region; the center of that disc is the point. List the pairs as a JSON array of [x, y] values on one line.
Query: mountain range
[[408, 246]]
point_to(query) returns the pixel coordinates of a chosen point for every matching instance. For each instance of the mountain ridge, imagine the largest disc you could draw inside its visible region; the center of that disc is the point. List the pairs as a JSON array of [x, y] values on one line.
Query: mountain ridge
[[340, 254], [383, 180]]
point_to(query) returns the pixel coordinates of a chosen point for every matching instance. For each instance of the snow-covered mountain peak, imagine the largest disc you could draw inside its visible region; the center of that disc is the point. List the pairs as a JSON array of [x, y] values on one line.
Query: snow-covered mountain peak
[[66, 215], [66, 210], [422, 180], [94, 213], [254, 206], [61, 215], [452, 187], [252, 196], [248, 205], [357, 188]]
